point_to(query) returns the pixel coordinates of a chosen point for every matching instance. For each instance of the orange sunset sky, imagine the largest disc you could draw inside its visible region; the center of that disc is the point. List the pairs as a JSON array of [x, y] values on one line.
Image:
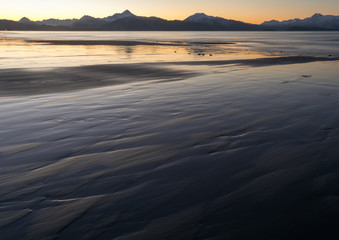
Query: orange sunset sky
[[243, 10]]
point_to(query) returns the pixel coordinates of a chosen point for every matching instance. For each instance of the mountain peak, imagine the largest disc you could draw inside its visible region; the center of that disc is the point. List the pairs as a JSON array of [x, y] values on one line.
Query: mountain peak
[[197, 17], [200, 14], [203, 18], [124, 14], [127, 12], [86, 17], [315, 22], [25, 20], [317, 15]]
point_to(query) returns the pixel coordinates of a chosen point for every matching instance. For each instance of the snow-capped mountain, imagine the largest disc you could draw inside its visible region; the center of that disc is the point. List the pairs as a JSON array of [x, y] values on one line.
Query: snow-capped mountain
[[198, 22], [317, 21], [83, 21], [218, 22], [25, 20], [57, 22], [125, 14], [203, 18], [128, 21]]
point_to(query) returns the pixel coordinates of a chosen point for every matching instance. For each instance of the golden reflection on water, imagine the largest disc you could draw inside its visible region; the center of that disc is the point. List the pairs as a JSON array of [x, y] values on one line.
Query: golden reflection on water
[[19, 53]]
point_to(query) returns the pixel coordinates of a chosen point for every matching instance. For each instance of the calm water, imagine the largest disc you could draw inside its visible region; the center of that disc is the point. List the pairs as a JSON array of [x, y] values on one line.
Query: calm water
[[17, 52]]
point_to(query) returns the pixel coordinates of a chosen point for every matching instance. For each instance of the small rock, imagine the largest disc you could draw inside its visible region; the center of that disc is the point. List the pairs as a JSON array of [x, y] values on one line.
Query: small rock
[[306, 76]]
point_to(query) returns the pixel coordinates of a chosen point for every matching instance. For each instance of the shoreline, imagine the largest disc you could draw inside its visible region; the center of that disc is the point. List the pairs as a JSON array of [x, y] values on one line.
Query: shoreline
[[24, 82], [199, 155], [123, 42]]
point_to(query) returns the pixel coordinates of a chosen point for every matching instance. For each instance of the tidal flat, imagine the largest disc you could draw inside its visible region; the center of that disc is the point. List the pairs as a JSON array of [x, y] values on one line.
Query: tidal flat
[[193, 138]]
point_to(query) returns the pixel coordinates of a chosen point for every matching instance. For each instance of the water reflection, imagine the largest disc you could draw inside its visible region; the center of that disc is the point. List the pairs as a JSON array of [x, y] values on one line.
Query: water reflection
[[18, 53]]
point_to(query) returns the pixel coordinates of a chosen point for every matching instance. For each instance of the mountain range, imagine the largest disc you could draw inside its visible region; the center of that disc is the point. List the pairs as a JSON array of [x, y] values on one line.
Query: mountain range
[[316, 22], [127, 21]]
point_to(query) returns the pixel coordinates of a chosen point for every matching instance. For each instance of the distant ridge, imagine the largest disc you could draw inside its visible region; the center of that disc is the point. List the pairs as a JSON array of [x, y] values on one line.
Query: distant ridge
[[127, 21], [316, 22]]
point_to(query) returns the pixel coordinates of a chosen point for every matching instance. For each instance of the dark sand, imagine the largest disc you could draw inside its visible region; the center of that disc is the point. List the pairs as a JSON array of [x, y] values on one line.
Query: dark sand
[[262, 62], [22, 82], [250, 154]]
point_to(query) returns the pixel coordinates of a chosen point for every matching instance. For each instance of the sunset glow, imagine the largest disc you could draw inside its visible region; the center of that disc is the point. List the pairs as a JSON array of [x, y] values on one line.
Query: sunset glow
[[243, 10]]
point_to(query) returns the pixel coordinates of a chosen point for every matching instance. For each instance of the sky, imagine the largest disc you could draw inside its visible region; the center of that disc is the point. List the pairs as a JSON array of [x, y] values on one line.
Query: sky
[[253, 11]]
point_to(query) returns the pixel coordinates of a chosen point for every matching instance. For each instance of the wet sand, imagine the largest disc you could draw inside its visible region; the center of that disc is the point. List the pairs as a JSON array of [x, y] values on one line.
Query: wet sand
[[22, 82], [241, 149], [262, 62], [238, 155]]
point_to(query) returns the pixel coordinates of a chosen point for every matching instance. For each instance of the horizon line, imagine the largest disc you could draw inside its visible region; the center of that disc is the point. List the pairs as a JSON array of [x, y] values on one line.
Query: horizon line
[[173, 19]]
